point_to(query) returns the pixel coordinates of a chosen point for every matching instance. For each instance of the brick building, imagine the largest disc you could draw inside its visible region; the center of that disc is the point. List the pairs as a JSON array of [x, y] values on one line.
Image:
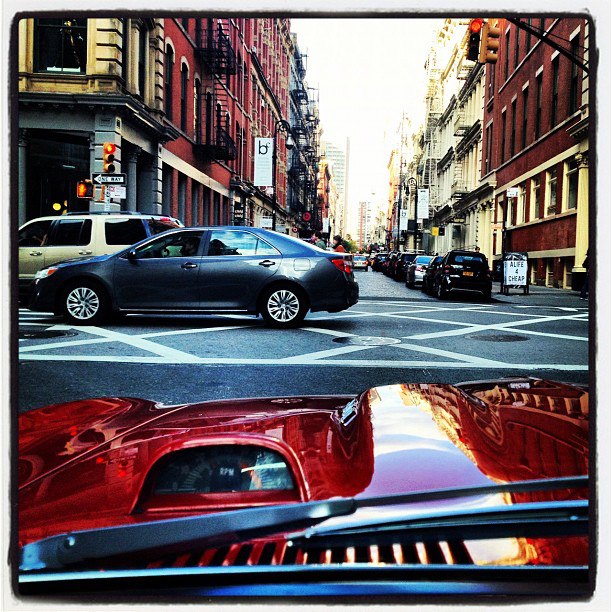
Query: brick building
[[183, 100], [535, 138]]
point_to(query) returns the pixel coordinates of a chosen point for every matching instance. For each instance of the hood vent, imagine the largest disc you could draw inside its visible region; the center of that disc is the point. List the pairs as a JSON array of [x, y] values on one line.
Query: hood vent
[[280, 553]]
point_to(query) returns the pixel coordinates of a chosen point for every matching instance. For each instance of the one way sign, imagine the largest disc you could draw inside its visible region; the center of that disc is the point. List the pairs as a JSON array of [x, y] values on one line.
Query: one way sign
[[101, 178]]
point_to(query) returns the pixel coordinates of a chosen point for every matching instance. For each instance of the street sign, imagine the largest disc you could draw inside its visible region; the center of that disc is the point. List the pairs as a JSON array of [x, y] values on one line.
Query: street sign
[[512, 192], [264, 162], [100, 178], [266, 223], [294, 229], [515, 271], [116, 191], [306, 216]]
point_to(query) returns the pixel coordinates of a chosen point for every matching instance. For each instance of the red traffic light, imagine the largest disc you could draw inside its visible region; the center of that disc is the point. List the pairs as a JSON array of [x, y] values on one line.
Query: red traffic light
[[108, 161], [475, 26]]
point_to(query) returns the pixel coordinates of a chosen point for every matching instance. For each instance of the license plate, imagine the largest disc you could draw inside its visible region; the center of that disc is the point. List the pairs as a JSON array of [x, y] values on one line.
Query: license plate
[[468, 274]]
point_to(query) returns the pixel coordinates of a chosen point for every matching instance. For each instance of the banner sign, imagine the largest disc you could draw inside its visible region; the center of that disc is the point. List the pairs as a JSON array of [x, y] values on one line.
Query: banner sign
[[423, 204], [238, 213], [266, 222], [403, 225], [515, 269], [325, 225], [264, 155]]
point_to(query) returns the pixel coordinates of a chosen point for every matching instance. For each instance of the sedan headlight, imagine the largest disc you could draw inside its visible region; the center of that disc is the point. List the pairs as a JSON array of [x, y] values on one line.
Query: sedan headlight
[[44, 273]]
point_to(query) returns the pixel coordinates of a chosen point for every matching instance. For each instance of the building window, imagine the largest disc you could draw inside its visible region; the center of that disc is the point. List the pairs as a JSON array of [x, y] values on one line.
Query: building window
[[489, 149], [60, 45], [538, 115], [521, 209], [525, 115], [197, 111], [555, 93], [507, 58], [528, 37], [169, 68], [517, 48], [185, 23], [534, 204], [574, 81], [570, 189], [142, 59], [503, 139], [513, 132], [184, 83], [551, 191]]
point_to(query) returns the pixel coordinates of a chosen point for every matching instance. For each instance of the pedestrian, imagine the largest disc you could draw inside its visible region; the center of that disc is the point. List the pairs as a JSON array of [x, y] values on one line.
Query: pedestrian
[[584, 292], [337, 244], [477, 249], [318, 241]]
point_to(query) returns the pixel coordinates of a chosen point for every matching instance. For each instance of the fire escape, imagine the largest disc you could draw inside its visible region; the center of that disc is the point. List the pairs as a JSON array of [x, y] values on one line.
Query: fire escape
[[430, 143], [216, 53]]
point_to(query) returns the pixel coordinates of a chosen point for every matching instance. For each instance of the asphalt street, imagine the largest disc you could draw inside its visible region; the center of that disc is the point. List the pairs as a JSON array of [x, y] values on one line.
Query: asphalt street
[[392, 335]]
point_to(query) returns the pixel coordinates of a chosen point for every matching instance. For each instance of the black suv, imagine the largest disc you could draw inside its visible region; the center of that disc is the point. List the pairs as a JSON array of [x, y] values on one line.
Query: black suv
[[462, 271]]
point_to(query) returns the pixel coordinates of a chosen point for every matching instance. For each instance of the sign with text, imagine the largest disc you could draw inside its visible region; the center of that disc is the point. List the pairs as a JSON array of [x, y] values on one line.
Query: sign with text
[[403, 225], [238, 213], [423, 204], [266, 222], [512, 192], [264, 160], [515, 269], [116, 191], [101, 178]]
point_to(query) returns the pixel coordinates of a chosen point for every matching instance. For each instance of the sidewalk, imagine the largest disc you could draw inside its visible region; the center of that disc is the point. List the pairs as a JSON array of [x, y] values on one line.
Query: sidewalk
[[541, 296]]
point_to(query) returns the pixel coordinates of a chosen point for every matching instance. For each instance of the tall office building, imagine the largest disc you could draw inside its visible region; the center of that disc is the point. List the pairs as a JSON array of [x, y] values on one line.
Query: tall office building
[[339, 158]]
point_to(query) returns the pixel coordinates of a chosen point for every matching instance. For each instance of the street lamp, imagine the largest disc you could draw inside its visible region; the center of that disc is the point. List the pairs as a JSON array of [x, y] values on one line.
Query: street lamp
[[280, 126]]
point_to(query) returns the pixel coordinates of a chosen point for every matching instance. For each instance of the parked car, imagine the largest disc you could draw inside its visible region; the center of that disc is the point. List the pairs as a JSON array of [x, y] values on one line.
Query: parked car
[[216, 269], [430, 274], [378, 260], [389, 263], [46, 241], [463, 271], [475, 489], [401, 265], [360, 262], [416, 270]]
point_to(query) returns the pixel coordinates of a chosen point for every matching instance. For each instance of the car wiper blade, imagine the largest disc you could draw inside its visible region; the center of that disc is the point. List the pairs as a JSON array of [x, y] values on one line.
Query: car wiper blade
[[527, 520], [238, 525]]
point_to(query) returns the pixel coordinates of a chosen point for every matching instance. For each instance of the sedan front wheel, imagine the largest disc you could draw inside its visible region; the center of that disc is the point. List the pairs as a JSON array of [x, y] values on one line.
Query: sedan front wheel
[[85, 304], [283, 307]]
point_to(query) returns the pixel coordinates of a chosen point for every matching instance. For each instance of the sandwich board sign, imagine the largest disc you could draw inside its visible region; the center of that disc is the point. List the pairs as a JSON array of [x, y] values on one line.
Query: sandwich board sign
[[515, 272]]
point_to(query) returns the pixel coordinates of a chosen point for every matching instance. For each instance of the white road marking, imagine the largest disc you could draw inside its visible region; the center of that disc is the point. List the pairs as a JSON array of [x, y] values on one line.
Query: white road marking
[[347, 363], [471, 359]]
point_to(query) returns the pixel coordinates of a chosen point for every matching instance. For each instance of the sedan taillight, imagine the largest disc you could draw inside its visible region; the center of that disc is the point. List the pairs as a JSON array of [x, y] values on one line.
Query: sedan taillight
[[343, 264]]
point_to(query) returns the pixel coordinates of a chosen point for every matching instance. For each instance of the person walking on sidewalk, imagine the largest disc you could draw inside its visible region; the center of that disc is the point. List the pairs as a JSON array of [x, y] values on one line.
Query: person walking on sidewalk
[[337, 245], [584, 292]]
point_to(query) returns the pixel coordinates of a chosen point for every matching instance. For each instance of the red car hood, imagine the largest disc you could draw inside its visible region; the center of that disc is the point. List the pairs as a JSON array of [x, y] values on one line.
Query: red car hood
[[82, 465]]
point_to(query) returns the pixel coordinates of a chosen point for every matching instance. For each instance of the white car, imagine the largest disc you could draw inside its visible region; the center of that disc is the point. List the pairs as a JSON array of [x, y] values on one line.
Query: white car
[[360, 262]]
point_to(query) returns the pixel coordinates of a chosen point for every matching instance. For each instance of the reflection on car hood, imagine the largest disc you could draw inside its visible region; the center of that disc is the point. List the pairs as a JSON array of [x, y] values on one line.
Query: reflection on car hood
[[83, 464], [83, 259]]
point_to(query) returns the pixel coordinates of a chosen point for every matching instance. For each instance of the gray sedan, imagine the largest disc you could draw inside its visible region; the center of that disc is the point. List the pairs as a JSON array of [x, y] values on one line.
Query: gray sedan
[[416, 270], [203, 269]]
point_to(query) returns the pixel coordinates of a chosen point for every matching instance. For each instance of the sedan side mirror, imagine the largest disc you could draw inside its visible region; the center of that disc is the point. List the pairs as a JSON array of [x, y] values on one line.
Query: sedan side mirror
[[131, 254]]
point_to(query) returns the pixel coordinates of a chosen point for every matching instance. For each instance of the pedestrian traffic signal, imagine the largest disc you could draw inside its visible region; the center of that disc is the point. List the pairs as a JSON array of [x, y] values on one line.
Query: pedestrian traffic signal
[[85, 189], [489, 45], [473, 49], [108, 161]]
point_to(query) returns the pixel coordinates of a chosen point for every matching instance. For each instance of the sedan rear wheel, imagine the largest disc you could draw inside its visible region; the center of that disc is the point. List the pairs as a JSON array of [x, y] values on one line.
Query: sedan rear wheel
[[85, 304], [440, 292], [283, 307]]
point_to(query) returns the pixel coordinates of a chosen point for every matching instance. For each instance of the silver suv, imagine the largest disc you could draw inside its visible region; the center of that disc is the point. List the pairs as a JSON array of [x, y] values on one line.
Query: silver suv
[[49, 240]]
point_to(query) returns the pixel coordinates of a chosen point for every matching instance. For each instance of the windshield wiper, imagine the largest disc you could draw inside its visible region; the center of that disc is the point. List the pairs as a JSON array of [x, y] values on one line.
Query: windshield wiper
[[235, 526]]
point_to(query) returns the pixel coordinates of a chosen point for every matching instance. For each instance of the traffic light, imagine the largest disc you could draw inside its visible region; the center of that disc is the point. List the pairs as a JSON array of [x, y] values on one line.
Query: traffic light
[[489, 45], [85, 189], [108, 160], [473, 48]]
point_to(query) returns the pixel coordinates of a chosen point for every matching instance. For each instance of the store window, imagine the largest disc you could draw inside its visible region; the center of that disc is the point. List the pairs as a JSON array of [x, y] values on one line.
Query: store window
[[60, 45], [570, 191]]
